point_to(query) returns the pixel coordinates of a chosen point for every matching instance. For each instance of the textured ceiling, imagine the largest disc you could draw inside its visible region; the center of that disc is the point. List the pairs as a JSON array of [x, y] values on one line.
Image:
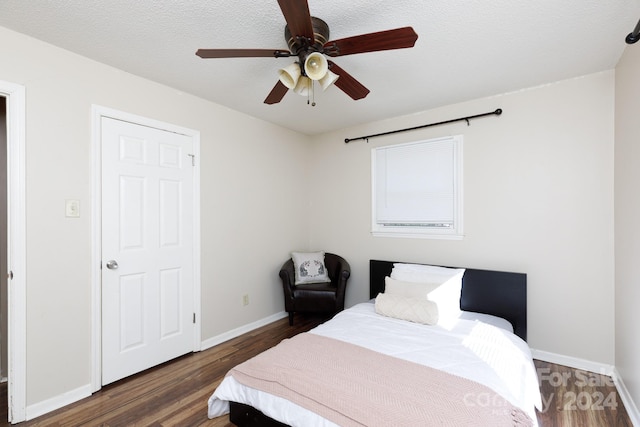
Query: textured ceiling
[[465, 49]]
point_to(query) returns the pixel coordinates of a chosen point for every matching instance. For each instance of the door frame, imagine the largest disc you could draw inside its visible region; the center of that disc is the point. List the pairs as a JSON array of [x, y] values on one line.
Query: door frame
[[16, 251], [97, 112]]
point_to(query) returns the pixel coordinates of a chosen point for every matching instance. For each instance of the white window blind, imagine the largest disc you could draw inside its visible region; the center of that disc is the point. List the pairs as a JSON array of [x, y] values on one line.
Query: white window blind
[[417, 187]]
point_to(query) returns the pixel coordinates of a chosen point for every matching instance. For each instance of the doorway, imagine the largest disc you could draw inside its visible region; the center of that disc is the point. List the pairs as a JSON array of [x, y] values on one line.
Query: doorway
[[146, 243], [3, 240], [13, 279], [147, 247], [3, 246]]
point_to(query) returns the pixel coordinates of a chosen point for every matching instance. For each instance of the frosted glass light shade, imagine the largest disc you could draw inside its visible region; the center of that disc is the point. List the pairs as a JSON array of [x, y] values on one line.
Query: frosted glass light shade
[[329, 78], [290, 75], [302, 88], [316, 66]]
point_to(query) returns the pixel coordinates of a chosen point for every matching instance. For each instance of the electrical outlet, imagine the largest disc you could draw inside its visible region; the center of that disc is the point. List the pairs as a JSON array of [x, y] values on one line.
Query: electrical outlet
[[72, 208], [245, 299]]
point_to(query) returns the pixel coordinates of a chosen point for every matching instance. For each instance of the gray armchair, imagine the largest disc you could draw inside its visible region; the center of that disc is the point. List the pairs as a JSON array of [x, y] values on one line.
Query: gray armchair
[[316, 297]]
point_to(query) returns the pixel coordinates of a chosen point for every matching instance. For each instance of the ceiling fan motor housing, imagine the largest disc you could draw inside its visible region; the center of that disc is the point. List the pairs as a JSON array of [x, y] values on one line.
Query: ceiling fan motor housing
[[299, 46]]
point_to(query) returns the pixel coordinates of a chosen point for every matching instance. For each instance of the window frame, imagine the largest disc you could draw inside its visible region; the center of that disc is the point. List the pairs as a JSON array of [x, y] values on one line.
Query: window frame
[[418, 230]]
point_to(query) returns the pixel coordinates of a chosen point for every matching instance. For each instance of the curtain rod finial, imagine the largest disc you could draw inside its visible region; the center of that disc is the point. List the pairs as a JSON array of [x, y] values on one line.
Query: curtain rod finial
[[634, 36]]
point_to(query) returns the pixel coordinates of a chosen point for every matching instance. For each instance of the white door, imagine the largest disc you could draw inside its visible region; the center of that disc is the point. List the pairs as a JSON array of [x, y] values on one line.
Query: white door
[[147, 247]]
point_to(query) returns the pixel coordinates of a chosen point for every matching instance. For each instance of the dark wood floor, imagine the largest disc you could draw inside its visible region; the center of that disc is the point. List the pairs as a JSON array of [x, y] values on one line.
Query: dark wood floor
[[572, 397], [176, 393]]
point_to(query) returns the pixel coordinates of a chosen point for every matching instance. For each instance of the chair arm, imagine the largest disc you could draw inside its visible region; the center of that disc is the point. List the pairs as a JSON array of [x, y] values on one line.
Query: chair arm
[[345, 273], [340, 281], [288, 283]]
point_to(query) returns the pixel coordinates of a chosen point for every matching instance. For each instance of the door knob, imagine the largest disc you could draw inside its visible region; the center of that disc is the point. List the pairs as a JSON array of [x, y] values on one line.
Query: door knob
[[112, 264]]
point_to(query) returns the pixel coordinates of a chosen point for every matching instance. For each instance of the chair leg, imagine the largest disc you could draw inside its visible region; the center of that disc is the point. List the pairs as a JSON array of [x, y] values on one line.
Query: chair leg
[[291, 318]]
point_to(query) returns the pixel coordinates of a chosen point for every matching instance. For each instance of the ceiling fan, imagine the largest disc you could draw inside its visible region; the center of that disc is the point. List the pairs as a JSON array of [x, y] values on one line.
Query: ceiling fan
[[308, 38]]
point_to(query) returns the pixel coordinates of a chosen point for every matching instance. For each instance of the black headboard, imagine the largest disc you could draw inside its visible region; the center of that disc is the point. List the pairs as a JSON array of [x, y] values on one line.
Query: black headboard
[[499, 293]]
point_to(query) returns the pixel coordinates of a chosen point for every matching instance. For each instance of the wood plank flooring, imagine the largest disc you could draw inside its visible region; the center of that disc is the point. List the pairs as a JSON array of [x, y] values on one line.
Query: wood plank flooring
[[176, 393], [572, 397]]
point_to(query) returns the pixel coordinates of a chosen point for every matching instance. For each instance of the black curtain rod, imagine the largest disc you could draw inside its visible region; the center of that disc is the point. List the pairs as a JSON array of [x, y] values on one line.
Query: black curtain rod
[[496, 113], [635, 35]]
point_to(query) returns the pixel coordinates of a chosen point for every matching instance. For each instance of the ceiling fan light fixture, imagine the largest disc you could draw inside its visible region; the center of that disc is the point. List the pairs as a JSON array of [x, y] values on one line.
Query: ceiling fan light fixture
[[316, 66], [329, 78], [290, 75], [308, 39]]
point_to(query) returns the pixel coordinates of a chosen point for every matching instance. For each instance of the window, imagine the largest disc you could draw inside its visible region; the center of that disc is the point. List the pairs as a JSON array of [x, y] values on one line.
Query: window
[[417, 189]]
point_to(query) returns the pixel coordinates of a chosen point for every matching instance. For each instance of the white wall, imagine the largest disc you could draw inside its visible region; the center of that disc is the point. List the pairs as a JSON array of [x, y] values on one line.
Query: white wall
[[250, 172], [538, 199], [627, 213]]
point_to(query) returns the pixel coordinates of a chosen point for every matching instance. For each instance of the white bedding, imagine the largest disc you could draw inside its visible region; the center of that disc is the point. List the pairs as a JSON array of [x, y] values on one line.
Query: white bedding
[[466, 347]]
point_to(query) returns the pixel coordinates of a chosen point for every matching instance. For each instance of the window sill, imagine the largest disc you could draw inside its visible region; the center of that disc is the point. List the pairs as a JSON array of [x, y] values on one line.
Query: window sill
[[411, 234]]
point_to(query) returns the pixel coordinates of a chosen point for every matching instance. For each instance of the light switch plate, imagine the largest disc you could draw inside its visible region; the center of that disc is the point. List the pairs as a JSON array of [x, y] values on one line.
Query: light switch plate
[[72, 208]]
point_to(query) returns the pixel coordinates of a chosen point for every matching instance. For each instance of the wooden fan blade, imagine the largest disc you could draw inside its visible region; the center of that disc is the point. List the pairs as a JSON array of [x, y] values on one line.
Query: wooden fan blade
[[399, 38], [277, 93], [347, 83], [242, 53], [298, 17]]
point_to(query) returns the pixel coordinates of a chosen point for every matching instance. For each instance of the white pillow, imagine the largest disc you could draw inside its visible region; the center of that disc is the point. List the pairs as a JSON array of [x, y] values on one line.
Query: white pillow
[[448, 297], [416, 310], [408, 289], [419, 273], [445, 295], [309, 267]]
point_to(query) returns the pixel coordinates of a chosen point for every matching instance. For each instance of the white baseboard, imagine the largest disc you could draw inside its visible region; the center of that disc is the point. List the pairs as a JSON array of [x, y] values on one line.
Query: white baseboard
[[628, 402], [219, 339], [573, 362], [599, 368], [64, 399]]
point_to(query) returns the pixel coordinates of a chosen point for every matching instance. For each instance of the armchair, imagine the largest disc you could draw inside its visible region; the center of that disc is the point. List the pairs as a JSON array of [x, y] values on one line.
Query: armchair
[[316, 297]]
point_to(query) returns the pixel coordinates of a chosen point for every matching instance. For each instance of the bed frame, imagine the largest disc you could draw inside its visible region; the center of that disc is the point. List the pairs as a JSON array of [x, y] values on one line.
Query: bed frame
[[498, 293]]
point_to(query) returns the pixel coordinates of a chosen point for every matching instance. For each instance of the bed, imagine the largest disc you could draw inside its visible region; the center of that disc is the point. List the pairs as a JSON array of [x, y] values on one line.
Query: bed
[[478, 359]]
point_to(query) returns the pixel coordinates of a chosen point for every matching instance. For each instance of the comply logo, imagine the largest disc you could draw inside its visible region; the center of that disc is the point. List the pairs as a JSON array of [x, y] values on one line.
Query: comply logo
[[577, 400]]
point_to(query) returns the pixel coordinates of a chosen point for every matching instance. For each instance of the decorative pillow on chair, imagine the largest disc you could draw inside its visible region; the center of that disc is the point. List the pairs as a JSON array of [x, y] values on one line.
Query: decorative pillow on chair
[[309, 267]]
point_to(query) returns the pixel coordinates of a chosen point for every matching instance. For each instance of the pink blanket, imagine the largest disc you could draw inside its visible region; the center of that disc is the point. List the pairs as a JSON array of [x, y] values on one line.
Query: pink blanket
[[353, 386]]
